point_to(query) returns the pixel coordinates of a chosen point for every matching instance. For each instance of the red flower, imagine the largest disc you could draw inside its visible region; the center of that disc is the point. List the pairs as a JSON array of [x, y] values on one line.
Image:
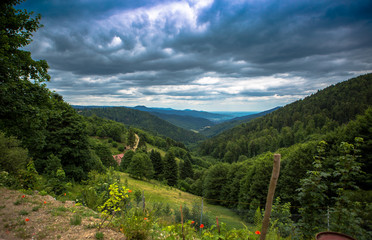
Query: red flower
[[44, 202], [192, 222], [27, 219], [129, 191], [23, 196], [257, 232], [145, 218], [64, 194], [201, 225]]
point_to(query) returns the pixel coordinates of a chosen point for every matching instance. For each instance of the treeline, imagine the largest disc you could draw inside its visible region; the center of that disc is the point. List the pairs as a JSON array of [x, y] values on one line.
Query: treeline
[[332, 174], [298, 122], [144, 120]]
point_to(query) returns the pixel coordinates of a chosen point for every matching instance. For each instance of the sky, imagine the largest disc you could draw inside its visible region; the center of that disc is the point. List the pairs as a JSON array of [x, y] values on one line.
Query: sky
[[212, 55]]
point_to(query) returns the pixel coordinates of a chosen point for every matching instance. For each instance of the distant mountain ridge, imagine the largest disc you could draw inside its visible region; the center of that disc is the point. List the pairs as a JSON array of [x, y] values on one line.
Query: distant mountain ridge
[[187, 112], [219, 128], [142, 120]]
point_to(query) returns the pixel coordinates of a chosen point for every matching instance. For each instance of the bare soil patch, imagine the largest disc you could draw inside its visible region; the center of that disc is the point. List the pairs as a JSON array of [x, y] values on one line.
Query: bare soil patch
[[25, 216]]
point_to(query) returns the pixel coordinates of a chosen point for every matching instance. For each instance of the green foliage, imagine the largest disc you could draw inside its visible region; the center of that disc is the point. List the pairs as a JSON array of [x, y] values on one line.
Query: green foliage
[[215, 179], [157, 163], [99, 235], [96, 189], [126, 160], [44, 123], [186, 170], [170, 169], [281, 218], [255, 183], [12, 156], [115, 203], [141, 166], [104, 153], [75, 220], [23, 104], [136, 225], [295, 123], [257, 219], [131, 138], [138, 196], [28, 178], [313, 196]]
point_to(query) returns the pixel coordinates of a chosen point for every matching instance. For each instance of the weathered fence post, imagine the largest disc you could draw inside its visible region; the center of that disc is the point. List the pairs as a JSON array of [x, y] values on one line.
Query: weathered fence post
[[144, 201], [270, 196], [183, 234], [201, 214]]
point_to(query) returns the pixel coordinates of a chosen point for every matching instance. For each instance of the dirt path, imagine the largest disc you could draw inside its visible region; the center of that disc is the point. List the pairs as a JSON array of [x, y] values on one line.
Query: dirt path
[[137, 142], [43, 217]]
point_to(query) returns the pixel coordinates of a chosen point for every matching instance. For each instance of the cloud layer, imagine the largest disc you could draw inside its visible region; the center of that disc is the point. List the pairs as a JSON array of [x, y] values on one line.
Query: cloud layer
[[210, 55]]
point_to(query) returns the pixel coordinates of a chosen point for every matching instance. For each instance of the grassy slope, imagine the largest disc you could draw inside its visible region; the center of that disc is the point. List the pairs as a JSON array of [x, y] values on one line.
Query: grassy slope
[[156, 192]]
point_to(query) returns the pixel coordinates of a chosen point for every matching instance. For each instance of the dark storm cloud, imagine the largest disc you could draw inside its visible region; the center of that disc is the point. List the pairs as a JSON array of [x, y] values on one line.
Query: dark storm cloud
[[103, 46]]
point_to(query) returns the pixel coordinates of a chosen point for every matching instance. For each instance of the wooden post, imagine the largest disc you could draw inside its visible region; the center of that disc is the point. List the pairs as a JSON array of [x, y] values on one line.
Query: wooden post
[[201, 214], [218, 226], [183, 235], [144, 201], [270, 196]]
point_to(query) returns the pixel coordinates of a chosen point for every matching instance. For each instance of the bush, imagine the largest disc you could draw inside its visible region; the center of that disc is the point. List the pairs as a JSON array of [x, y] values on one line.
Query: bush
[[136, 225]]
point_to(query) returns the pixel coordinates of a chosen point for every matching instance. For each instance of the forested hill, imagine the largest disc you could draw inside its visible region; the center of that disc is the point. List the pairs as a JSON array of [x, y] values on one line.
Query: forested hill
[[219, 128], [144, 121], [294, 123]]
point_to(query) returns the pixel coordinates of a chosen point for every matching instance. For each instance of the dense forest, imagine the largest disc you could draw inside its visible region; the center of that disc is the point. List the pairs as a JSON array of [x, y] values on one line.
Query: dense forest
[[145, 121], [297, 122], [325, 142]]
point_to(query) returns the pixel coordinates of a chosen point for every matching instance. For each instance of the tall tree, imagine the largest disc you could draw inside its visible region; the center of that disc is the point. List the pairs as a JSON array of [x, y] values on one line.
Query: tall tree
[[24, 103], [157, 163], [104, 153], [170, 169], [186, 170], [141, 166]]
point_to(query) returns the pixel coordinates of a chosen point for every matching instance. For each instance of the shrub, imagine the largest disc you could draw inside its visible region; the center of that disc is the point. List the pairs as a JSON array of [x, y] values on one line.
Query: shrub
[[99, 235], [75, 220]]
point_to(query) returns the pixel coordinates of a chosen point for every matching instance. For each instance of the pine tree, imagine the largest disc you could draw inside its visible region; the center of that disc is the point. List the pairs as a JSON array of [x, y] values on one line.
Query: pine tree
[[186, 169], [157, 163], [170, 169]]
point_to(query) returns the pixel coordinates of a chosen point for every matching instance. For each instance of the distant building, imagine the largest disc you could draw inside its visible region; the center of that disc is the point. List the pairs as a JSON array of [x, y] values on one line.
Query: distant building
[[118, 158]]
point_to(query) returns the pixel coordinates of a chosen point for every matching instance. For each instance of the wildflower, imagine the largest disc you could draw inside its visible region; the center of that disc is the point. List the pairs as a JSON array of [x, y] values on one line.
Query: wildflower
[[64, 194], [27, 219], [192, 222], [201, 225], [44, 202], [129, 191], [257, 232], [145, 218], [23, 196]]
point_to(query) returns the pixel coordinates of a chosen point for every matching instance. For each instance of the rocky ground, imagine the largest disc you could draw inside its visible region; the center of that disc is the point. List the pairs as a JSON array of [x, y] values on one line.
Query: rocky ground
[[32, 216]]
